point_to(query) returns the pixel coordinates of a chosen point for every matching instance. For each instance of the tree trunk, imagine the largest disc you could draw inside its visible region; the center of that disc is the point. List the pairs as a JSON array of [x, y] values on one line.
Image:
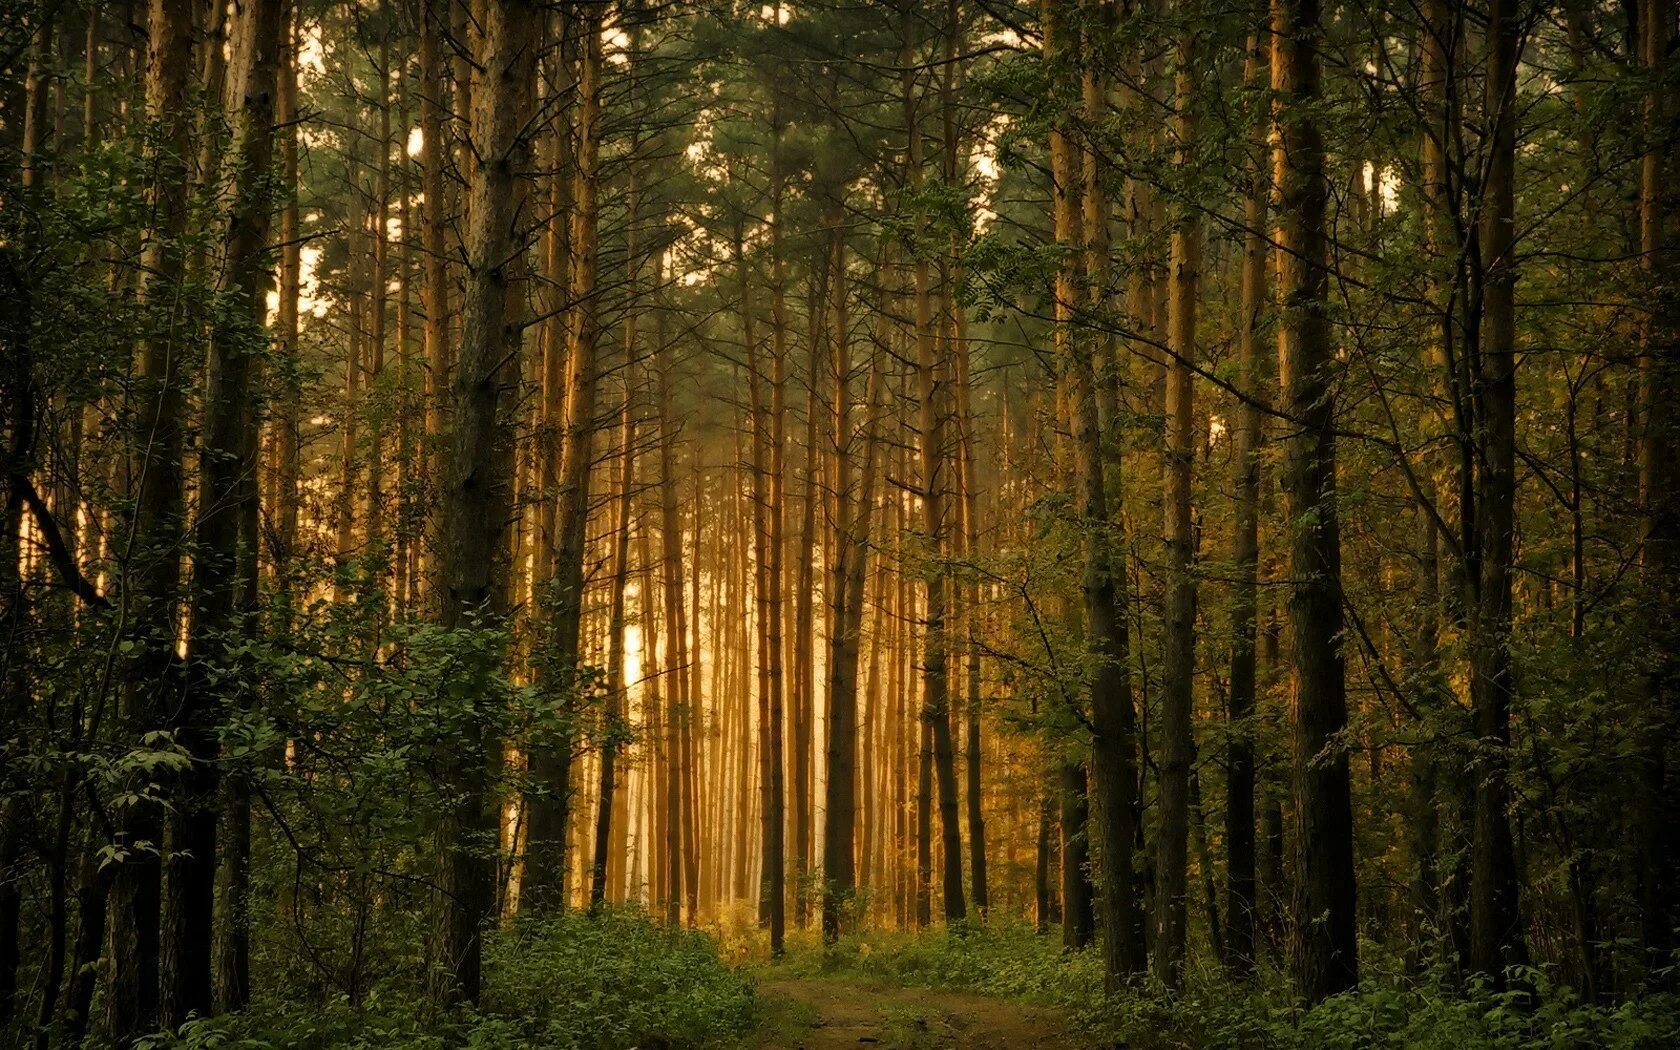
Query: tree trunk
[[851, 556], [1496, 938], [551, 767], [224, 555], [1326, 959], [607, 802], [1178, 745], [1245, 557], [931, 392], [152, 573], [477, 501], [433, 18], [1659, 491]]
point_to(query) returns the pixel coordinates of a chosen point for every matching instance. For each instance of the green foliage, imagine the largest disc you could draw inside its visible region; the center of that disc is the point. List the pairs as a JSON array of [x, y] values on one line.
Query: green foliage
[[1390, 1009], [599, 982]]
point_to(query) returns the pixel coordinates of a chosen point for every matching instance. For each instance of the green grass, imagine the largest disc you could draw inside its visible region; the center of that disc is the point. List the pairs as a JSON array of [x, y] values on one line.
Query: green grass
[[1391, 1009], [592, 983]]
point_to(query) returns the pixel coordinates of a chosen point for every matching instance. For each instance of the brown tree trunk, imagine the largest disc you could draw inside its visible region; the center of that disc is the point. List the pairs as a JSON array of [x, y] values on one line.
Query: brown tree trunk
[[1659, 491], [931, 392], [676, 627], [846, 583], [1326, 959], [1178, 744], [152, 571], [551, 767], [607, 802], [478, 495], [1496, 938], [224, 555], [1245, 557], [433, 18]]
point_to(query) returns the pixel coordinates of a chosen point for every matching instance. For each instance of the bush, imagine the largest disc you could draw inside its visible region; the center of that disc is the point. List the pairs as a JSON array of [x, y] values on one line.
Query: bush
[[593, 983], [1391, 1009]]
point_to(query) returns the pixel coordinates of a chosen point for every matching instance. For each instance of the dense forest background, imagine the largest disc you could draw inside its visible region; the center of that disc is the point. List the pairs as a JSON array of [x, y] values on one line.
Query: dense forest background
[[1179, 494]]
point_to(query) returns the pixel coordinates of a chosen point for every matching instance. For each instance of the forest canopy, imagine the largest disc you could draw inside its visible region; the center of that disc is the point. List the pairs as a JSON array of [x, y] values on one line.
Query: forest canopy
[[521, 519]]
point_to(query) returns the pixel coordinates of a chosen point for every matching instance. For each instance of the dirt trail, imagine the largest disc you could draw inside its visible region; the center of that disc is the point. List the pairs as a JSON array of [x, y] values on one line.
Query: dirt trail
[[825, 1014]]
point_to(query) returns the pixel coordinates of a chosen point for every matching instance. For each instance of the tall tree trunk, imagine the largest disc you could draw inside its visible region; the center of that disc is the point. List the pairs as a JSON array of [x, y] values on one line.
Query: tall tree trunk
[[379, 307], [846, 582], [152, 570], [1178, 744], [607, 801], [1659, 489], [955, 173], [676, 621], [1326, 959], [434, 24], [1496, 939], [224, 555], [1245, 556], [802, 700], [931, 392], [477, 501], [551, 766]]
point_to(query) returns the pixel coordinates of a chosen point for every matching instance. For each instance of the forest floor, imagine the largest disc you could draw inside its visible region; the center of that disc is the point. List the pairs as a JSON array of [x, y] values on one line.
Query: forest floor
[[824, 1013]]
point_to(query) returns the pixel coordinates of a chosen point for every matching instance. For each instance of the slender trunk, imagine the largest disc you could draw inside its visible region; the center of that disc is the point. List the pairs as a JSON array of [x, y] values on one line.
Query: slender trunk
[[1245, 556], [224, 555], [607, 802], [1113, 716], [433, 18], [676, 624], [1659, 491], [1179, 658], [478, 494], [1496, 939], [850, 561], [931, 391], [152, 570], [551, 766], [1326, 959]]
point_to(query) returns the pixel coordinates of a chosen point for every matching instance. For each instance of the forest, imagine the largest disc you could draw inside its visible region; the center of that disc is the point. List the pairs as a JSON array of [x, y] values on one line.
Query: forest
[[808, 523]]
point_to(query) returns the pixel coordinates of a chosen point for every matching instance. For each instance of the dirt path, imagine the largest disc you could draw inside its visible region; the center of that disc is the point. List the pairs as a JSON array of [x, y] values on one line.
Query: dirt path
[[825, 1014]]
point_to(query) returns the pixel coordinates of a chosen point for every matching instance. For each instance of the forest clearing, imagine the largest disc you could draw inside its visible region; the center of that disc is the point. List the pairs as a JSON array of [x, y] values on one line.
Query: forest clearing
[[816, 523]]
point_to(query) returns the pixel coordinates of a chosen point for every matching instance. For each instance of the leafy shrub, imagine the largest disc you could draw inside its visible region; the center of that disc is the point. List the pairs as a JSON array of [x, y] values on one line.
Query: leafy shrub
[[593, 983], [1391, 1009]]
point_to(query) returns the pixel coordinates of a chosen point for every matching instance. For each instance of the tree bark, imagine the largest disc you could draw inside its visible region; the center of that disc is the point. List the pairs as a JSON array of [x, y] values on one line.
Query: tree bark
[[1496, 938], [1326, 959], [152, 572], [551, 766], [224, 555], [477, 503], [1245, 556], [1178, 745], [1659, 489]]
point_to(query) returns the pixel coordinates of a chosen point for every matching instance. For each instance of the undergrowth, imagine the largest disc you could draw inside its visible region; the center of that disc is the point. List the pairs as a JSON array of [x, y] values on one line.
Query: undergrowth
[[611, 981], [1391, 1008]]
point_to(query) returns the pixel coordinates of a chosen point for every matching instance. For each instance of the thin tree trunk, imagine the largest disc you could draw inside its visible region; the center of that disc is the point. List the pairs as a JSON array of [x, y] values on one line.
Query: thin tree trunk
[[1659, 491], [1496, 939], [607, 802], [551, 767], [478, 495], [1326, 960], [1178, 744], [1245, 556], [931, 380], [1113, 717], [224, 557], [152, 571]]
